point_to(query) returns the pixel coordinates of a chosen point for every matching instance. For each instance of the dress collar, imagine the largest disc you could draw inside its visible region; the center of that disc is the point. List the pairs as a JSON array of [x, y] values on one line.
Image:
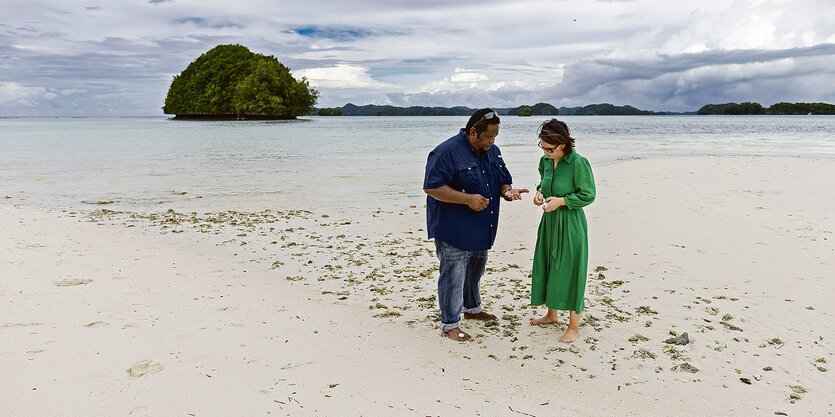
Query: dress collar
[[570, 157]]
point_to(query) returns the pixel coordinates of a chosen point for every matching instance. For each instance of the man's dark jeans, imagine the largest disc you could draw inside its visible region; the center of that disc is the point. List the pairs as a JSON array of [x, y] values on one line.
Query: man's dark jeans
[[458, 290]]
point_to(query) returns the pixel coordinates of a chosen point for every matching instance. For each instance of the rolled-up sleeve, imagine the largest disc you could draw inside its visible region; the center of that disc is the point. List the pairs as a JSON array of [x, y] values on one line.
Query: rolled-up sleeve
[[439, 170], [504, 173], [584, 182]]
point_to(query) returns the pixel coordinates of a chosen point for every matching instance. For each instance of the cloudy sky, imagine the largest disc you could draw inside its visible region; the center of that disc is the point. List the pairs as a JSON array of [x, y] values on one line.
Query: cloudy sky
[[94, 57]]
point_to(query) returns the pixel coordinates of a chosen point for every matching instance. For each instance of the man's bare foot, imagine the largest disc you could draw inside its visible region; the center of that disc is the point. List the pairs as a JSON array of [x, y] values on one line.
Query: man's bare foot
[[570, 335], [546, 319], [458, 335], [480, 316]]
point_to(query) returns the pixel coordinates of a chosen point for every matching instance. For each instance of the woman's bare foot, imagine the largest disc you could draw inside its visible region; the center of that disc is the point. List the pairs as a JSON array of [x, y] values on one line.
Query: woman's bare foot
[[546, 319], [458, 335], [570, 335]]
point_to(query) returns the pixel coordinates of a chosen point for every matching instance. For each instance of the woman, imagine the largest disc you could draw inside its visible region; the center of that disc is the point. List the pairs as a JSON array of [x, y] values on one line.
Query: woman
[[560, 260]]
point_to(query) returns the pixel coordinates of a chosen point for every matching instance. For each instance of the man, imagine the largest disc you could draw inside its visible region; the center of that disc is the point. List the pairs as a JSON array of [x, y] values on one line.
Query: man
[[465, 176]]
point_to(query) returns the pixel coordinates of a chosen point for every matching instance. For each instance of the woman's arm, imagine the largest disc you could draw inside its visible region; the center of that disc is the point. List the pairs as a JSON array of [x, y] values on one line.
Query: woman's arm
[[584, 180]]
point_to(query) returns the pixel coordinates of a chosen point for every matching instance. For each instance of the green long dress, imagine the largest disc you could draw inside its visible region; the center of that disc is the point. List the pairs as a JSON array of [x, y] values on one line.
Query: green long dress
[[560, 260]]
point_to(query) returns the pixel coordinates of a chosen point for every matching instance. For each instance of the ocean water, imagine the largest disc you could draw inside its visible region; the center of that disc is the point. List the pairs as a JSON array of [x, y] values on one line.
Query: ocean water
[[152, 164]]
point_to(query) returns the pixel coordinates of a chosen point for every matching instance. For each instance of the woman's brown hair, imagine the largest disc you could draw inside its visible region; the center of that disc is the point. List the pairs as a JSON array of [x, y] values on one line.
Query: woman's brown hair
[[556, 132]]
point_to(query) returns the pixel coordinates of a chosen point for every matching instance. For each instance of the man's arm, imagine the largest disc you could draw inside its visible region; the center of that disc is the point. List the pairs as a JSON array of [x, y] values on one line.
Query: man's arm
[[447, 194]]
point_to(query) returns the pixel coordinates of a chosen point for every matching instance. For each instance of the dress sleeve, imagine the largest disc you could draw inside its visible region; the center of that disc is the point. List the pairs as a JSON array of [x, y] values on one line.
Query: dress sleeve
[[439, 170], [541, 173], [584, 181]]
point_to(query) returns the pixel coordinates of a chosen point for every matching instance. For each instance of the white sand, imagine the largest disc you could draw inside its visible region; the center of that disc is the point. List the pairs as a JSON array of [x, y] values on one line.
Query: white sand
[[209, 315]]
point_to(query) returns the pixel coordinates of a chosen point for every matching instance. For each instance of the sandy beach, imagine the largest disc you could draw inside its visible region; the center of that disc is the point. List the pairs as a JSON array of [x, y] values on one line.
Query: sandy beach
[[310, 312]]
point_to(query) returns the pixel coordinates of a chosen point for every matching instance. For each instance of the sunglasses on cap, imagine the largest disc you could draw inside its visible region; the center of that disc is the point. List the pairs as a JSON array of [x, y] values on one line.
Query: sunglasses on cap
[[487, 116]]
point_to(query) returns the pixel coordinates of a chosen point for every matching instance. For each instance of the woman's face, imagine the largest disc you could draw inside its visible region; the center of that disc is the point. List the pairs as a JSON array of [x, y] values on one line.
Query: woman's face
[[552, 151]]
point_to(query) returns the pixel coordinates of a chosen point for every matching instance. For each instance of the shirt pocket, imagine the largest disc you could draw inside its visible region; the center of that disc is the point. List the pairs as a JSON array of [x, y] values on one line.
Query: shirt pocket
[[468, 178], [500, 173]]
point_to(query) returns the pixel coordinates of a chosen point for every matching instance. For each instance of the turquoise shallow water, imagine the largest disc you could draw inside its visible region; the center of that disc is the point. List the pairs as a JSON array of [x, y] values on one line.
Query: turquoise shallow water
[[155, 163]]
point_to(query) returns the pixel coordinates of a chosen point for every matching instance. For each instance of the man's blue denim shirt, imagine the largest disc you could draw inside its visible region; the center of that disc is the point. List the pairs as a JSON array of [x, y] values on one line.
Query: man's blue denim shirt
[[456, 164]]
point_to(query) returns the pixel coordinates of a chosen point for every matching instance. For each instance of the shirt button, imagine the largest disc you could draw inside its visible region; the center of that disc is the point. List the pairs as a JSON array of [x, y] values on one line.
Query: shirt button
[[491, 212]]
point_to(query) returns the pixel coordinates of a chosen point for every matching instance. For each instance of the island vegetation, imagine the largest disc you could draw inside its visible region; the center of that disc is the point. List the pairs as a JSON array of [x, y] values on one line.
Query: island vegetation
[[231, 82], [750, 108], [605, 109], [330, 111], [350, 109], [601, 109], [538, 109]]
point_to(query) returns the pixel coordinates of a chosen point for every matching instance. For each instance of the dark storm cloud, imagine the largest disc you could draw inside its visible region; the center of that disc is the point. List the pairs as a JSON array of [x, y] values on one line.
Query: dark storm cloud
[[688, 81]]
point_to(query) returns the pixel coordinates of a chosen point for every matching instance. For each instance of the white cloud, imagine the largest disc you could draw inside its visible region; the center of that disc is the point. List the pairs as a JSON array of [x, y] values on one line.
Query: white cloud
[[339, 76], [754, 24], [461, 80], [16, 95], [463, 75]]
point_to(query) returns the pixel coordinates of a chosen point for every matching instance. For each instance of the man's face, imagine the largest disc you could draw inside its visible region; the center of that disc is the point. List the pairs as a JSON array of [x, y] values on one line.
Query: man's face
[[485, 140]]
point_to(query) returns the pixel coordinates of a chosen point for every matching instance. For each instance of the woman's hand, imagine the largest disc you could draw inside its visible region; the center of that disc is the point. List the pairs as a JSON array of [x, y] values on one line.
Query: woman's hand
[[553, 203], [538, 199]]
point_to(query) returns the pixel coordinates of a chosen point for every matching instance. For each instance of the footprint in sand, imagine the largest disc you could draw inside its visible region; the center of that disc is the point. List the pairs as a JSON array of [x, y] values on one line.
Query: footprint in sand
[[71, 282], [31, 354], [143, 367]]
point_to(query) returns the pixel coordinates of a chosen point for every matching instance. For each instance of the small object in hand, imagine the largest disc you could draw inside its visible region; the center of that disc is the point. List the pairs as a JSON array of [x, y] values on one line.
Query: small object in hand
[[745, 381]]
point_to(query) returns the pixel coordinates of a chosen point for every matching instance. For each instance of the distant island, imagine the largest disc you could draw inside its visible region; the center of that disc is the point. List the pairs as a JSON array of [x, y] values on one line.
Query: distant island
[[230, 82], [538, 109], [750, 108], [602, 109]]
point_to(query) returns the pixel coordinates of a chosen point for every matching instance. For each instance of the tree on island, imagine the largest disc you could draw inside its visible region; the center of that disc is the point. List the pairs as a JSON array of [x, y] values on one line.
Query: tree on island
[[784, 108], [330, 111], [801, 108], [230, 82], [538, 109], [746, 108]]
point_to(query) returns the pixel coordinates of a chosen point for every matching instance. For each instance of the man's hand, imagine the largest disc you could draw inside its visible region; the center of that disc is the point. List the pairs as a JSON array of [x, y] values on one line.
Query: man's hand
[[476, 202], [514, 193]]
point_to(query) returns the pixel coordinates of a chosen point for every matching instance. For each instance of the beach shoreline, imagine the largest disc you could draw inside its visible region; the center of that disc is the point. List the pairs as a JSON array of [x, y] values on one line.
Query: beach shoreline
[[310, 311]]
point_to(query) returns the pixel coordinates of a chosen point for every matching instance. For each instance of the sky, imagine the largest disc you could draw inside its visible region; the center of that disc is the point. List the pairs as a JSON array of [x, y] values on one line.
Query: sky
[[117, 58]]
